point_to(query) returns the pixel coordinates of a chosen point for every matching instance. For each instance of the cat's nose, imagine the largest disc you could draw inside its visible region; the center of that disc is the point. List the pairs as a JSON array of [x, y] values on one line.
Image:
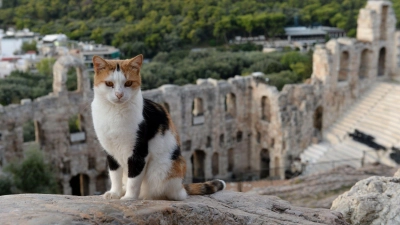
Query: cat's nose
[[119, 94]]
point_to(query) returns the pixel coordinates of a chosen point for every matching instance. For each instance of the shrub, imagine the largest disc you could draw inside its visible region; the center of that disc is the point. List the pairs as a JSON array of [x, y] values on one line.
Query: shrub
[[32, 174]]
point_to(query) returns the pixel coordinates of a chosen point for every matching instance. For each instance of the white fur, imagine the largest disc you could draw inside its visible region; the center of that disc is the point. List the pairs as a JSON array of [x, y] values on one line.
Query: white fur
[[116, 122]]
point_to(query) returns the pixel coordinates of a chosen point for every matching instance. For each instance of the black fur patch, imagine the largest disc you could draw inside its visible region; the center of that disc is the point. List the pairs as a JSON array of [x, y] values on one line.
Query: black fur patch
[[118, 67], [137, 161], [208, 189], [112, 163], [156, 118], [176, 153]]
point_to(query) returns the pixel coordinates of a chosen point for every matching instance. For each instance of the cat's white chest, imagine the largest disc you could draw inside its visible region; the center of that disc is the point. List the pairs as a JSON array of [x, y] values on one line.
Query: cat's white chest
[[116, 131]]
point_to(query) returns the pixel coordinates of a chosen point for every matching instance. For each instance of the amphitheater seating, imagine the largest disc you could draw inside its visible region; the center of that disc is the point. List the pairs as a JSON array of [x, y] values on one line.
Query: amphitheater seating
[[377, 113]]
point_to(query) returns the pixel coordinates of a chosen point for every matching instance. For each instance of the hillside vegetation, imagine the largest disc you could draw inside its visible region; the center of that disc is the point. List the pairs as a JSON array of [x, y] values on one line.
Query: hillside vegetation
[[137, 26]]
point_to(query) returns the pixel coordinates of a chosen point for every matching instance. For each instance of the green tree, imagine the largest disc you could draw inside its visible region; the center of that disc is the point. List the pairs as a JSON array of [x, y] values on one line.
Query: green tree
[[29, 46], [45, 66], [32, 174]]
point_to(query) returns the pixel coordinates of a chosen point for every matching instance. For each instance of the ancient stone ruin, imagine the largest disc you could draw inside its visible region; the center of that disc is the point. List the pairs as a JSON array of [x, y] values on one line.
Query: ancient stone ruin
[[237, 127]]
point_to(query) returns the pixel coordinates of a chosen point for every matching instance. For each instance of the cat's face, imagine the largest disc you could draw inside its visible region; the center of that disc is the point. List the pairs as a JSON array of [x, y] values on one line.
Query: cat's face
[[117, 80]]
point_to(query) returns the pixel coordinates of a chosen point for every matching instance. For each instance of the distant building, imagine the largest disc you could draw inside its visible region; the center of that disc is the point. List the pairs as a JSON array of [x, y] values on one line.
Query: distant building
[[53, 44], [12, 40], [104, 51], [313, 34]]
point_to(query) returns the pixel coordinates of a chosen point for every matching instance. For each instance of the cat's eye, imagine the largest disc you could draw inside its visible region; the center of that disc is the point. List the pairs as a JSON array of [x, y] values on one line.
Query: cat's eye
[[109, 84], [128, 83]]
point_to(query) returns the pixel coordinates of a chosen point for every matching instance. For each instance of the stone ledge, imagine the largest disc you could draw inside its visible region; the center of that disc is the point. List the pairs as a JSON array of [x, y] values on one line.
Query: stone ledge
[[221, 208]]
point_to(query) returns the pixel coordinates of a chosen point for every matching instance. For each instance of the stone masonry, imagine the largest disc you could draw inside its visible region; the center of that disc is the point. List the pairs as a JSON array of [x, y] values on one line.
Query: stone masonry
[[227, 127]]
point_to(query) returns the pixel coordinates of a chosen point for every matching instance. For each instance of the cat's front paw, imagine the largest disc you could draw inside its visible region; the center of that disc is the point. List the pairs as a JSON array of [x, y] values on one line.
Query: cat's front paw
[[112, 195], [127, 198]]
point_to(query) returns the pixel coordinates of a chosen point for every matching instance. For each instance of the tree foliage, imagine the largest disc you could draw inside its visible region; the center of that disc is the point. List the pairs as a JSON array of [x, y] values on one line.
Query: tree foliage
[[186, 67], [31, 175], [137, 26]]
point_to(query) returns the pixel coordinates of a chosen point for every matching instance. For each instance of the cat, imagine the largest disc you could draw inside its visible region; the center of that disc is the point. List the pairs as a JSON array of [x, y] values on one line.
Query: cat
[[139, 137]]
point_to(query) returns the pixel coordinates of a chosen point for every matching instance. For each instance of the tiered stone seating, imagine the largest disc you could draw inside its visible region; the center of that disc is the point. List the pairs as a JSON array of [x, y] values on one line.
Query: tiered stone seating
[[377, 113]]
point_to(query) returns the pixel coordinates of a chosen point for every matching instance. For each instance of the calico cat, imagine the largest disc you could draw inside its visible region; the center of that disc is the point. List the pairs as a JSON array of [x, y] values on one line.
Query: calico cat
[[142, 145]]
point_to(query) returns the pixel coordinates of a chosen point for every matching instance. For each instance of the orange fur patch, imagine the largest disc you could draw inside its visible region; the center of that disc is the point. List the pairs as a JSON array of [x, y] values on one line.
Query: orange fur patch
[[129, 67], [178, 168]]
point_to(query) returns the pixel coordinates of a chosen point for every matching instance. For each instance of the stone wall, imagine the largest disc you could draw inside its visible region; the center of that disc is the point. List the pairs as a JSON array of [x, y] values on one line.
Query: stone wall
[[241, 126]]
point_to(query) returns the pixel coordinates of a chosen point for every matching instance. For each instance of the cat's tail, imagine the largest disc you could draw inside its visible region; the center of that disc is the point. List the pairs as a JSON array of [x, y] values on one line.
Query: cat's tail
[[206, 188]]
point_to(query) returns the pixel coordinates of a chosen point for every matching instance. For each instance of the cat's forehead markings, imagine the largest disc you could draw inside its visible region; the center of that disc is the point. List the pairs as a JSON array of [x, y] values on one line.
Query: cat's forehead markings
[[118, 67]]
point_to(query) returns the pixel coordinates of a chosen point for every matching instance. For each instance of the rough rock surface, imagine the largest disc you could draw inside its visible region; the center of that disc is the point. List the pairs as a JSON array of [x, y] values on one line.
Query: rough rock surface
[[222, 208], [371, 201], [319, 190]]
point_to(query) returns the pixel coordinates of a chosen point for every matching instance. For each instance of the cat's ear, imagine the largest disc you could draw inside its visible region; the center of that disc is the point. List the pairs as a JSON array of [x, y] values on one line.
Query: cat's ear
[[99, 63], [136, 62]]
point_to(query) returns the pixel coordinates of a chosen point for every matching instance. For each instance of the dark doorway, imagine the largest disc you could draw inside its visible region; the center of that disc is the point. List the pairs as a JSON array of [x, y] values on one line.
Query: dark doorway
[[381, 63], [197, 160], [264, 163], [80, 185]]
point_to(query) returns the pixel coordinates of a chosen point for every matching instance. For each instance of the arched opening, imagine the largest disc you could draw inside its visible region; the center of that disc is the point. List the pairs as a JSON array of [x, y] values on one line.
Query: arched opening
[[231, 160], [277, 167], [221, 140], [77, 133], [344, 66], [258, 137], [215, 164], [80, 184], [187, 145], [364, 64], [239, 136], [28, 130], [73, 79], [264, 163], [230, 105], [198, 160], [166, 106], [198, 112], [91, 163], [383, 26], [265, 109], [101, 183], [318, 118], [381, 63], [208, 143]]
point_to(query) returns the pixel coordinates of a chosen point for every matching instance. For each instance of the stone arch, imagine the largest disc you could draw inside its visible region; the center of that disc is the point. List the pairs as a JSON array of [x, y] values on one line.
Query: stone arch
[[198, 166], [344, 66], [80, 185], [198, 111], [231, 160], [215, 164], [381, 62], [264, 163], [265, 109], [318, 118], [230, 104], [60, 74], [101, 183], [365, 62]]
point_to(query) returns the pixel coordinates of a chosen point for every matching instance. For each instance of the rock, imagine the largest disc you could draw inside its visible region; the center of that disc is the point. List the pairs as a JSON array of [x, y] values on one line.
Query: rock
[[397, 174], [319, 190], [374, 200], [221, 208]]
